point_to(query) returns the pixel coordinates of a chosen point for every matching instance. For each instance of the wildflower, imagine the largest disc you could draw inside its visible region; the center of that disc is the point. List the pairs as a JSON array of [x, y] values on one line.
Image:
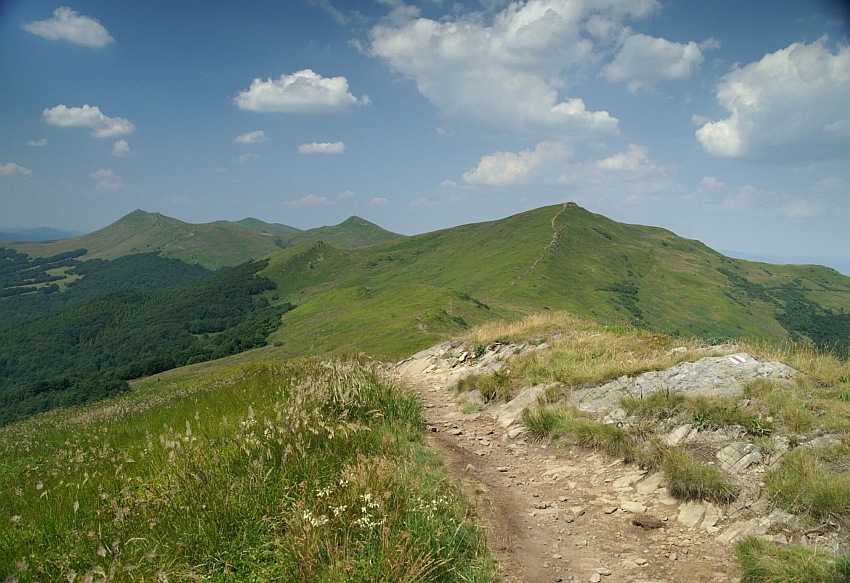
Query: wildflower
[[16, 519]]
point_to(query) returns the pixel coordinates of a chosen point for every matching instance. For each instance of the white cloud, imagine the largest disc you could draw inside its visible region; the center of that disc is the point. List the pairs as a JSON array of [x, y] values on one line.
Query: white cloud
[[711, 182], [379, 201], [802, 208], [89, 117], [508, 75], [301, 92], [242, 158], [503, 168], [322, 148], [636, 159], [345, 195], [310, 199], [10, 167], [830, 184], [338, 16], [254, 137], [69, 26], [792, 105], [120, 148], [106, 180], [644, 60], [40, 143]]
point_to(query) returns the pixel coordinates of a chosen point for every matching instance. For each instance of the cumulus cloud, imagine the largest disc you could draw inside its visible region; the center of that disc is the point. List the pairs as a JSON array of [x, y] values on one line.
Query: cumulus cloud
[[11, 168], [120, 148], [508, 74], [644, 60], [802, 208], [379, 201], [310, 199], [301, 92], [106, 180], [242, 158], [830, 184], [322, 148], [89, 117], [711, 182], [345, 194], [791, 105], [254, 137], [40, 143], [69, 26], [635, 159], [503, 168]]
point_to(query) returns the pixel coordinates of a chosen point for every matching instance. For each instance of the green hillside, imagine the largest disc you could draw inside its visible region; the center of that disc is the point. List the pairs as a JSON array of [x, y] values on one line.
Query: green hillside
[[559, 257], [389, 299], [211, 245]]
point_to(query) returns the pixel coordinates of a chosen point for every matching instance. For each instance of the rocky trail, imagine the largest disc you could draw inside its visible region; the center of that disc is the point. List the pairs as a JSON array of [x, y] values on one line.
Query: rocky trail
[[567, 513]]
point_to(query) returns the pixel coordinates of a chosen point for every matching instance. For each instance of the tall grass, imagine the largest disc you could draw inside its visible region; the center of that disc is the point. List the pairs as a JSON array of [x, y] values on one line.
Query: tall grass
[[804, 484], [302, 471], [763, 562]]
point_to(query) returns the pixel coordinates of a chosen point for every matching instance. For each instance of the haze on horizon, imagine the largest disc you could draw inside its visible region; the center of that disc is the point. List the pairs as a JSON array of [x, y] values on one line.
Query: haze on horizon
[[723, 122]]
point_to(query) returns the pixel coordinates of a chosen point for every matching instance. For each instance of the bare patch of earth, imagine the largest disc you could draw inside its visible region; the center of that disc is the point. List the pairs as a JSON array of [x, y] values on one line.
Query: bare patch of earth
[[569, 514]]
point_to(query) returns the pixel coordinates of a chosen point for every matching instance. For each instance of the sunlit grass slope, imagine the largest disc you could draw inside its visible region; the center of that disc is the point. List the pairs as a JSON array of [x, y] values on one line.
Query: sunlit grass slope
[[307, 470], [559, 257]]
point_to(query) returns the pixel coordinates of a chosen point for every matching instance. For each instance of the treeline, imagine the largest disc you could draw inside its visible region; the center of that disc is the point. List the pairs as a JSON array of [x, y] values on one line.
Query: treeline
[[88, 352], [805, 318], [802, 317], [23, 299], [19, 274]]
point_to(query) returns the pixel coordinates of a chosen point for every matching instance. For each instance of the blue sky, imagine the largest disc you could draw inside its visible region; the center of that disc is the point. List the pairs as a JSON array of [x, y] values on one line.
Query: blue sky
[[723, 121]]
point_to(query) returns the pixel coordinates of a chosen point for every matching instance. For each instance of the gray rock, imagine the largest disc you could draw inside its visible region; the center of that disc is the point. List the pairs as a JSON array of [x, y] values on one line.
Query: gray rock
[[508, 413], [737, 457], [709, 376], [690, 514]]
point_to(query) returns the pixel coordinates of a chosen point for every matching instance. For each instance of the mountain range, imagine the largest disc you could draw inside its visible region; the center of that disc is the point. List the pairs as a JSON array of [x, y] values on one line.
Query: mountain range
[[358, 288]]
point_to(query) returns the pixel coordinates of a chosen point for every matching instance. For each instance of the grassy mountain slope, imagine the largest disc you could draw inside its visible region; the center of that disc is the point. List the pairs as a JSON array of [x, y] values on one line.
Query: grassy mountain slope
[[212, 245], [352, 232], [559, 257]]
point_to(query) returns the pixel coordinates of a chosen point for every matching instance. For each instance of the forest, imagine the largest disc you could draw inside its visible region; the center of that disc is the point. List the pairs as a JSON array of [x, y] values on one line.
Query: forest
[[89, 351], [29, 286]]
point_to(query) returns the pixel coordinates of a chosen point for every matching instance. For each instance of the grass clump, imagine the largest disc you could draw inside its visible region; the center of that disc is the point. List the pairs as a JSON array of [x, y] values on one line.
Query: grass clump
[[554, 423], [688, 478], [658, 405], [497, 386], [803, 484], [761, 561]]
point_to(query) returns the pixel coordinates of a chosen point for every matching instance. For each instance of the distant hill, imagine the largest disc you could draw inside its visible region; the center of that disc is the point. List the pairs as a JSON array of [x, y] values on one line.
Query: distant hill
[[36, 234], [405, 293], [211, 245]]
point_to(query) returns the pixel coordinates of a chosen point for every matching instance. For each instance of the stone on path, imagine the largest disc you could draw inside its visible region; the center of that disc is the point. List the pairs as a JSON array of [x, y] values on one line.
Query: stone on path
[[690, 514]]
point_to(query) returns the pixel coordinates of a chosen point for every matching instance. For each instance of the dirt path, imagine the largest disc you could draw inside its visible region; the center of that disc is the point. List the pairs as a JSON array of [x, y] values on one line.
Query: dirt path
[[557, 514]]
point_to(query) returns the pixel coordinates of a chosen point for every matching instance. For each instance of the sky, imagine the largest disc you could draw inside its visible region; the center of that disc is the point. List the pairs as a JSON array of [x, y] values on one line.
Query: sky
[[725, 121]]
